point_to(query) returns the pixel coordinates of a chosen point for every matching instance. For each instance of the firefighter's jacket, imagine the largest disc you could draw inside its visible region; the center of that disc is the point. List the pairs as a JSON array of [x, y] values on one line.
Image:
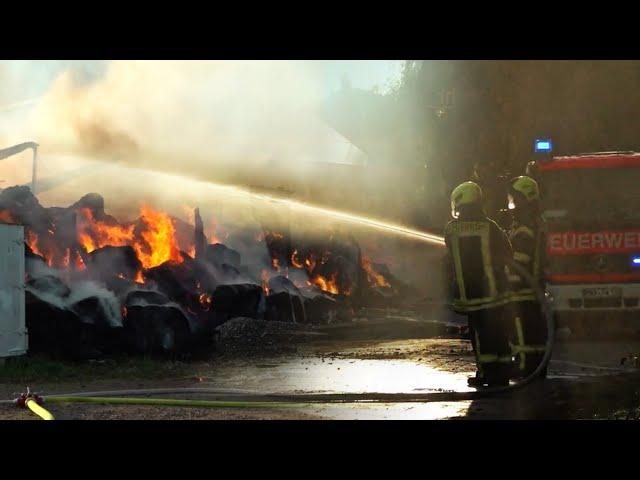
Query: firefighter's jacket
[[478, 252], [528, 252]]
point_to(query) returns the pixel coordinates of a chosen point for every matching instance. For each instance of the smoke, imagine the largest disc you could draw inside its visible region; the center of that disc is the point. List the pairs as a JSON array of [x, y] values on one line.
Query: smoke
[[198, 115], [56, 293], [248, 123]]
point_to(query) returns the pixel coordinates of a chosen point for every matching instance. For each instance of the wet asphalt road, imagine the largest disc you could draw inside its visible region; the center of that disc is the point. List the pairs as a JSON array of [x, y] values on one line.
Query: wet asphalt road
[[577, 371], [584, 378]]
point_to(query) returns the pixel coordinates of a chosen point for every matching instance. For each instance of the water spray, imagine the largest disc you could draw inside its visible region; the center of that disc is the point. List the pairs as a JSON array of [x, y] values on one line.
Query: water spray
[[359, 219], [286, 203]]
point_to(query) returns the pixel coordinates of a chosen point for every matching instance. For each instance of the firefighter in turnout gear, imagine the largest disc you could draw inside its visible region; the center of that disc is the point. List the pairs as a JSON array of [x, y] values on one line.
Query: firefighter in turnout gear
[[527, 238], [478, 252]]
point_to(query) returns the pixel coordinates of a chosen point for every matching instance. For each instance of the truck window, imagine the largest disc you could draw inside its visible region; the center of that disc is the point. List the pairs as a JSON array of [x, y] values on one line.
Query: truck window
[[593, 198]]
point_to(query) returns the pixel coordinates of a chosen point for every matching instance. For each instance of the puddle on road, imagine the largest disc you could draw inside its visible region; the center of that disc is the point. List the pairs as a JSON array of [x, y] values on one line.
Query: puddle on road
[[313, 375], [392, 411]]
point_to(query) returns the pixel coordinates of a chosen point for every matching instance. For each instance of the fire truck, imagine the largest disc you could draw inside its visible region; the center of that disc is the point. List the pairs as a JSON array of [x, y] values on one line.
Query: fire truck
[[591, 204]]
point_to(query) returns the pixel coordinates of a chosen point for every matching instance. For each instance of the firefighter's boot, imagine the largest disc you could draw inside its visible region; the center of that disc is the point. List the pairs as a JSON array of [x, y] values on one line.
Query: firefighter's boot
[[477, 382]]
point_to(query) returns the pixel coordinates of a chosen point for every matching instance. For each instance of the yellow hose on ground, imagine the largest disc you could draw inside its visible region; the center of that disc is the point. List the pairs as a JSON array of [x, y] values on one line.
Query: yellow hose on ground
[[38, 410], [172, 402]]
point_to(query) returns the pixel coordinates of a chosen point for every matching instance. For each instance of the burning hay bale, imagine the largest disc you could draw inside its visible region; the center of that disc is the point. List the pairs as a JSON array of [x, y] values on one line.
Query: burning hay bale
[[70, 322], [241, 300], [156, 329], [285, 302], [154, 285], [109, 262], [50, 285], [176, 280], [23, 207], [58, 331], [220, 255]]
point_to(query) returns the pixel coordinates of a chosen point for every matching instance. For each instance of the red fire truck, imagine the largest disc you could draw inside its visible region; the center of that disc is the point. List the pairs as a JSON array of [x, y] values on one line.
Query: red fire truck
[[591, 204]]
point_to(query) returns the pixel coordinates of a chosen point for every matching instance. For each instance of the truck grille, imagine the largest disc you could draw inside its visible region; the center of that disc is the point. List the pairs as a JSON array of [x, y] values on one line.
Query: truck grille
[[614, 302], [579, 264]]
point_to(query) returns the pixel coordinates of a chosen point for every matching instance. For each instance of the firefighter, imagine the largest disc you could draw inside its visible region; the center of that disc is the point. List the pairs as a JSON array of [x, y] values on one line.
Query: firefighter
[[478, 252], [527, 238]]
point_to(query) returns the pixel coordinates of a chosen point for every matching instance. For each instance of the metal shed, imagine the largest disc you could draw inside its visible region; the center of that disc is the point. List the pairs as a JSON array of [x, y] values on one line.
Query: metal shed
[[13, 332]]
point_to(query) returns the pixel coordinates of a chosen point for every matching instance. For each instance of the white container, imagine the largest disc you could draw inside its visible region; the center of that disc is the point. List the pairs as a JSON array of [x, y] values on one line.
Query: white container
[[13, 331]]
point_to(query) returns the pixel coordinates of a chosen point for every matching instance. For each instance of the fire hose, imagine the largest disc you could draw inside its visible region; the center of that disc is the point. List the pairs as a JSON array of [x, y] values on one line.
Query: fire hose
[[249, 399], [34, 403]]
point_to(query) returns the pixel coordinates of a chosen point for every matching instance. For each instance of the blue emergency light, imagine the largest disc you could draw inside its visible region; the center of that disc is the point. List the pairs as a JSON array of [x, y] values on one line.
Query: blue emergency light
[[636, 260], [543, 146]]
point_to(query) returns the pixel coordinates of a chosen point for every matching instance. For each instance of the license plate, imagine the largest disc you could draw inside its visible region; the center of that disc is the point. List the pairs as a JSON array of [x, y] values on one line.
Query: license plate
[[599, 292]]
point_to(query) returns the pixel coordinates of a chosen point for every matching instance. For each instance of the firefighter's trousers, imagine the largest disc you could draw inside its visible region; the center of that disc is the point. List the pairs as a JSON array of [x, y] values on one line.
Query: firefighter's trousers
[[489, 330], [529, 337]]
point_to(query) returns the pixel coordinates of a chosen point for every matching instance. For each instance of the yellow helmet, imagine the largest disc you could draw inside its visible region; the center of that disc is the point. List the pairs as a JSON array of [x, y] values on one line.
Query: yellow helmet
[[526, 186], [467, 193]]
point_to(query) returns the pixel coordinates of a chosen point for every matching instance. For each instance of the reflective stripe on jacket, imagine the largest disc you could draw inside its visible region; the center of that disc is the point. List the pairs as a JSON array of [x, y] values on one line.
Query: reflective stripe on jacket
[[479, 251], [521, 349], [527, 242]]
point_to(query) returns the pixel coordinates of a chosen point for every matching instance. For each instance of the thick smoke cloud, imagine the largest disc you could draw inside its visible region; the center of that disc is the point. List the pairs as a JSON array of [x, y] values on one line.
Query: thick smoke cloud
[[197, 114]]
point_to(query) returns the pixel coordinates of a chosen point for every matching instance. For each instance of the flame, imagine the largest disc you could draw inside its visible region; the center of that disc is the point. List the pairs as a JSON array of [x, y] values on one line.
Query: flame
[[264, 276], [6, 217], [159, 243], [66, 258], [139, 277], [154, 241], [310, 263], [93, 234], [79, 263], [192, 251], [294, 260], [32, 241], [205, 301], [326, 284], [275, 263], [87, 242], [44, 247], [374, 277], [213, 238]]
